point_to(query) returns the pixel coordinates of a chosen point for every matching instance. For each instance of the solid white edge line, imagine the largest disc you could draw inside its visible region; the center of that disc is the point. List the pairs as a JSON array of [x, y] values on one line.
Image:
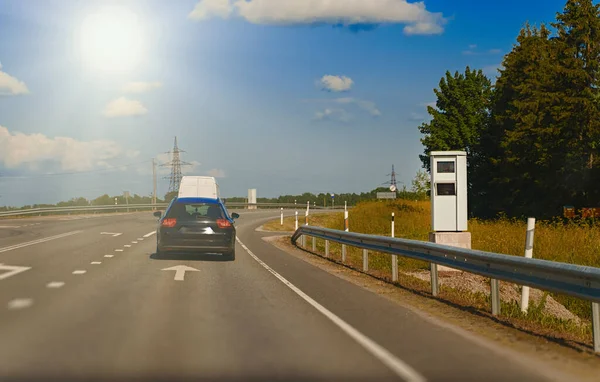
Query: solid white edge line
[[150, 234], [396, 365]]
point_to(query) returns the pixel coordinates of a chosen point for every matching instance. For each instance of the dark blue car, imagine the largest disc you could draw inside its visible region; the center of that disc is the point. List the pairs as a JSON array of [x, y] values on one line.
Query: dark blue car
[[198, 225]]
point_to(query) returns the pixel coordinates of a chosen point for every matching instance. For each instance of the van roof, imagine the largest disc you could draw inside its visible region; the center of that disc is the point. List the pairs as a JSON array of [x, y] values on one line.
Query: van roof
[[198, 187]]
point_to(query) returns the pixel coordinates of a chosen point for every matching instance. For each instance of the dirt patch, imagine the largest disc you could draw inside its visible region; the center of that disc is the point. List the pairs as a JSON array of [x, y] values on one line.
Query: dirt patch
[[468, 282]]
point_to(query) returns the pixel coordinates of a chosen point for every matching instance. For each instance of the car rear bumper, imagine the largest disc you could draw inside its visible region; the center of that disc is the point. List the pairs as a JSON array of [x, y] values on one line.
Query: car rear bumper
[[197, 245]]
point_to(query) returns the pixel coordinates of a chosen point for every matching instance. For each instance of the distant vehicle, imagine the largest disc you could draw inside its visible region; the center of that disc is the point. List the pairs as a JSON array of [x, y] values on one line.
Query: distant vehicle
[[197, 220]]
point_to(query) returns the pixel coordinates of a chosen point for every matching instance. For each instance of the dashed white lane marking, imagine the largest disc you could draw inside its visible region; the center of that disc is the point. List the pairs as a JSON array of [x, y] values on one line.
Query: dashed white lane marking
[[55, 284], [80, 272], [140, 238], [118, 250], [109, 255], [127, 246], [150, 234], [134, 242], [19, 303], [38, 241], [395, 364], [96, 262]]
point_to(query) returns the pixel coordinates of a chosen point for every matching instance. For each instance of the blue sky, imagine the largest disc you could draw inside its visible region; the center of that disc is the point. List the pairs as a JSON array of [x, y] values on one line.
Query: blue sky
[[269, 94]]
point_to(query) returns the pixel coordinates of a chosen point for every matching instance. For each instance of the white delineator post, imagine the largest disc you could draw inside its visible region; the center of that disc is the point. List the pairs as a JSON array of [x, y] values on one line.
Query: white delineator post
[[394, 257], [281, 216], [346, 229], [529, 255], [296, 226]]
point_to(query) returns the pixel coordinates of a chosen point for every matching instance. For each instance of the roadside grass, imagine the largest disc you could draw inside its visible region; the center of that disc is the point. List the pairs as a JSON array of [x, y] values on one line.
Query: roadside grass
[[573, 242]]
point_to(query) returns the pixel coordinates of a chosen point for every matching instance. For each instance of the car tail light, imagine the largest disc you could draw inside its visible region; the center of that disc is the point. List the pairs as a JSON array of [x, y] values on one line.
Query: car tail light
[[169, 223], [223, 223]]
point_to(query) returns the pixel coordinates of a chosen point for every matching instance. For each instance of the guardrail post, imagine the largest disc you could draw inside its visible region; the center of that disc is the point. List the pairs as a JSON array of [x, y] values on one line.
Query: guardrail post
[[326, 248], [314, 244], [433, 270], [529, 255], [394, 258], [365, 260], [495, 286], [281, 216], [596, 325], [296, 226]]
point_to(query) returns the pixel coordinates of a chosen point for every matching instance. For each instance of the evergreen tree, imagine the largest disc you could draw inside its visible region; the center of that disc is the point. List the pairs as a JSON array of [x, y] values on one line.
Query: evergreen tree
[[578, 46]]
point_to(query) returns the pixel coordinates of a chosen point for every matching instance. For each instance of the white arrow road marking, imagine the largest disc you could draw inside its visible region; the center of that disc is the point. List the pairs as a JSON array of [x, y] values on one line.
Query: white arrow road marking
[[96, 262], [55, 284], [180, 271], [395, 364], [12, 270], [79, 272], [113, 234], [109, 255], [150, 234], [38, 241], [20, 303]]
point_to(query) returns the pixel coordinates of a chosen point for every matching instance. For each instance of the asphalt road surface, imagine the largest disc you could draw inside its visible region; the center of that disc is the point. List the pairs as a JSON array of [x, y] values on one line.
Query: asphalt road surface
[[87, 299]]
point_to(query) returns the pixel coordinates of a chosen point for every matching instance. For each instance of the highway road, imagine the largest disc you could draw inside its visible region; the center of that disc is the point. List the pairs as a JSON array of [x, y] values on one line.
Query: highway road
[[88, 300]]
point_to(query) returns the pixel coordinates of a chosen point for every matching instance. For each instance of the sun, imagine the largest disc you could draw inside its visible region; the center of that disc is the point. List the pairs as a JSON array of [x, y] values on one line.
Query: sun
[[111, 40]]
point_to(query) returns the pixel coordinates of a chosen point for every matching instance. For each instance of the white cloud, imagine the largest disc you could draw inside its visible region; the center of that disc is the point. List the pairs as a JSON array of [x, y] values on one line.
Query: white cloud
[[336, 83], [367, 106], [207, 8], [417, 18], [37, 150], [122, 107], [333, 114], [472, 46], [141, 87], [216, 172], [495, 51], [492, 70], [10, 85]]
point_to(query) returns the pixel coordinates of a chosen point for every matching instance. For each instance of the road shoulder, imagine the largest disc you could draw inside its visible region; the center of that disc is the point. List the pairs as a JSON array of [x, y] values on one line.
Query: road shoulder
[[525, 348]]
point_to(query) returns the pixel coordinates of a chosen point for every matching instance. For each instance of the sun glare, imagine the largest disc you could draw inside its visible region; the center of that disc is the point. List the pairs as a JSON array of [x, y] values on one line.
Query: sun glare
[[111, 40]]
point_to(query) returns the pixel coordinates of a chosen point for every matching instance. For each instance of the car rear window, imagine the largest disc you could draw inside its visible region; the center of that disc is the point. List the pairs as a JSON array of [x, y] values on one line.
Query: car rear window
[[194, 211]]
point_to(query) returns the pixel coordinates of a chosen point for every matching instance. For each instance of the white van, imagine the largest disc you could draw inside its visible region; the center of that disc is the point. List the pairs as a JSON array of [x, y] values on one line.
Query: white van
[[198, 187]]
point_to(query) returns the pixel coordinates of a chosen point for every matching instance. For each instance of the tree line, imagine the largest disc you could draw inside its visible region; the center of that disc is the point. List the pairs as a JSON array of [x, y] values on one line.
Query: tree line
[[533, 137]]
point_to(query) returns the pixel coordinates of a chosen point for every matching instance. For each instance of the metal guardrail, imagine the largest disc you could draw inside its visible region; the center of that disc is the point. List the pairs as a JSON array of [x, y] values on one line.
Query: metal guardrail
[[128, 207], [574, 280]]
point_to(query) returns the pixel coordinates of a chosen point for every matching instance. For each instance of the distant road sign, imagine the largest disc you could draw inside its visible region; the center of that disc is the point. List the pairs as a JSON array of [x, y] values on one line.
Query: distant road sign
[[392, 188], [386, 195]]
